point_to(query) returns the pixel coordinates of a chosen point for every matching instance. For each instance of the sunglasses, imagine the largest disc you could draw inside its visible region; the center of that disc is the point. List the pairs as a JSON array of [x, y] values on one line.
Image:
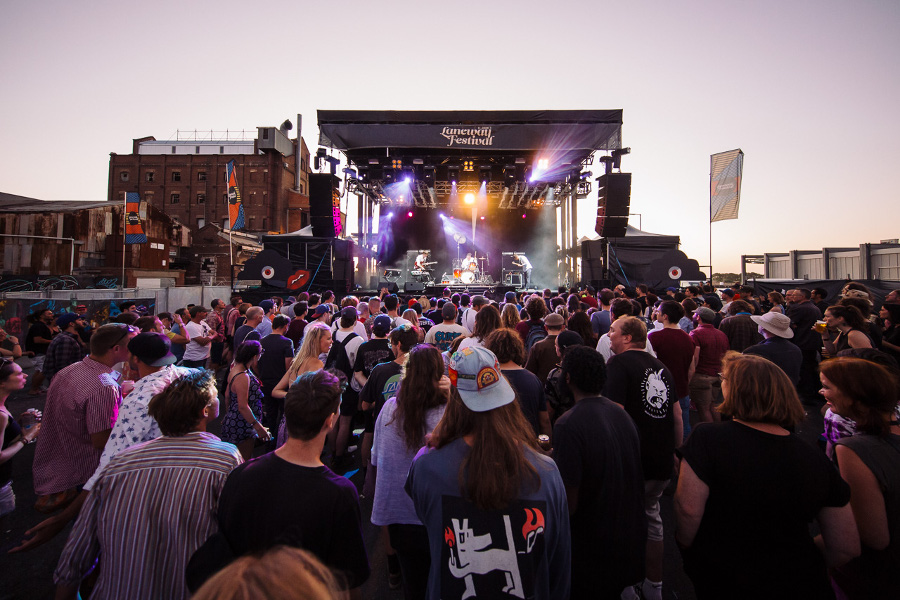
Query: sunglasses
[[128, 329]]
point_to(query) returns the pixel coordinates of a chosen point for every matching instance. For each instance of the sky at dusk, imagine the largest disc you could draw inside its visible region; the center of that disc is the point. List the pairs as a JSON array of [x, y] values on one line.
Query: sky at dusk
[[808, 90]]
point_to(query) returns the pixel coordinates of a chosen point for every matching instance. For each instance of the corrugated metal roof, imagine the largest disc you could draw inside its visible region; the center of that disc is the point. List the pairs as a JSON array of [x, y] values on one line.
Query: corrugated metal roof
[[24, 204]]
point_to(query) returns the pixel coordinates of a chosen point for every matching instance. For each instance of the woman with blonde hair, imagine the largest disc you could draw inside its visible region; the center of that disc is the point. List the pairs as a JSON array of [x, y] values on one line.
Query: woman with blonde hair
[[748, 489], [509, 316], [316, 342], [300, 577]]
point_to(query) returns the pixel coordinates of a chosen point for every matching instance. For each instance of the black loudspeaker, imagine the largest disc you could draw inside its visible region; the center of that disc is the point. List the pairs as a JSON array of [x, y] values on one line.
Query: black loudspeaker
[[323, 197], [391, 286], [414, 287], [613, 204]]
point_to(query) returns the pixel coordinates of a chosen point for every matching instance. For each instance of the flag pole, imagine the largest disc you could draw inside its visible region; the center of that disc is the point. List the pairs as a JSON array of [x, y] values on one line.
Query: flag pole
[[124, 245]]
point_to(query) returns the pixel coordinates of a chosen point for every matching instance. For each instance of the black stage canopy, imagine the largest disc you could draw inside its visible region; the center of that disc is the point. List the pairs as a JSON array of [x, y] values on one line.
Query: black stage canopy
[[519, 130], [522, 159]]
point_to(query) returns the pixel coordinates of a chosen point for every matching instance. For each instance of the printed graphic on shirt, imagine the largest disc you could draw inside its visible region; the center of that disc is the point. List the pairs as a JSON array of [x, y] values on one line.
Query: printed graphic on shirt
[[444, 339], [656, 394], [491, 554], [390, 387]]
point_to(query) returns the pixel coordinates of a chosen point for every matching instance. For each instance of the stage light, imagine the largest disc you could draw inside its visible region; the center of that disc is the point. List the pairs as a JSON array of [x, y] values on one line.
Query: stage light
[[390, 215], [482, 217], [524, 215], [485, 174], [409, 214], [453, 174], [543, 163], [441, 215], [397, 163], [468, 166], [408, 180], [469, 198]]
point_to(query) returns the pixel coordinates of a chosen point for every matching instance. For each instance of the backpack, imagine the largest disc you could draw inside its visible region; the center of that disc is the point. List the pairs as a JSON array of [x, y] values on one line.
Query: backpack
[[337, 357], [535, 334]]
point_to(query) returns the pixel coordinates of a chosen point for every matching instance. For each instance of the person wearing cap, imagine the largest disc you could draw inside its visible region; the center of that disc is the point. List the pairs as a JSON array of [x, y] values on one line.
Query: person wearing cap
[[66, 347], [710, 346], [510, 522], [321, 314], [443, 335], [265, 325], [359, 328], [644, 387], [160, 493], [543, 357], [727, 299], [776, 346], [714, 303], [342, 356], [597, 449]]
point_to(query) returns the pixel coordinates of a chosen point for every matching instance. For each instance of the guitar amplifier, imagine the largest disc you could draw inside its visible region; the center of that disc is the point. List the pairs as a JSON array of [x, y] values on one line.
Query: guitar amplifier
[[514, 279]]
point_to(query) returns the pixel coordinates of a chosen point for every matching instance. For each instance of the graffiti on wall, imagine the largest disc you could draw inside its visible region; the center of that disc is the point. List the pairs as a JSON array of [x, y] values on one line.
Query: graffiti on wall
[[40, 283], [14, 312]]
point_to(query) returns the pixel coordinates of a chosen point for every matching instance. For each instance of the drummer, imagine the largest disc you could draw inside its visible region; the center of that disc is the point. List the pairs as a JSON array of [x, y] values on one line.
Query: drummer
[[469, 263]]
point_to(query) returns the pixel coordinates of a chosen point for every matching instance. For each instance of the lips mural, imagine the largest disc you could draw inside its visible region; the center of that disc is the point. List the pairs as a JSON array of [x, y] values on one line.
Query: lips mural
[[273, 269]]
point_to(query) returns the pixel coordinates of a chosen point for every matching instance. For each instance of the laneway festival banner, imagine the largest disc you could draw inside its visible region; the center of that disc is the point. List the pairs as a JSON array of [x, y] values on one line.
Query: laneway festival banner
[[134, 229], [725, 171], [235, 208]]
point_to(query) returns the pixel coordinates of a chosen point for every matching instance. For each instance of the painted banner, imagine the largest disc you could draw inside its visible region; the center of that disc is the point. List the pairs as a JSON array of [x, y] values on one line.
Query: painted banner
[[235, 208], [725, 171], [134, 229]]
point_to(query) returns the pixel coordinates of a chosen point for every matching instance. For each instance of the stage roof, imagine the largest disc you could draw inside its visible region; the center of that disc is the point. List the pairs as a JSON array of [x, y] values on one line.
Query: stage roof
[[525, 158]]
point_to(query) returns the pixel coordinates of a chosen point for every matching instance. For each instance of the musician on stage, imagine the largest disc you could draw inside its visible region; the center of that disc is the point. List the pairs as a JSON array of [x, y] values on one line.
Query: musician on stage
[[469, 263], [422, 260], [520, 260]]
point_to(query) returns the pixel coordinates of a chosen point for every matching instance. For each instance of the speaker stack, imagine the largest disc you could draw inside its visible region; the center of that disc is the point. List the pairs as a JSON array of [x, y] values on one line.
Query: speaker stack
[[613, 204]]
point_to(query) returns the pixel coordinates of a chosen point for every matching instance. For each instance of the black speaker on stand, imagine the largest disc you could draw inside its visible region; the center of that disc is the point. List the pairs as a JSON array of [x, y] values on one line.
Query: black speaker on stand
[[391, 286]]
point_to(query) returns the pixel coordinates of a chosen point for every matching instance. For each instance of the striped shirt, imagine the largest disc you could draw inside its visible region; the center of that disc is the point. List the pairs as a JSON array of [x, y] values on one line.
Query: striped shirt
[[82, 400], [149, 511], [134, 425]]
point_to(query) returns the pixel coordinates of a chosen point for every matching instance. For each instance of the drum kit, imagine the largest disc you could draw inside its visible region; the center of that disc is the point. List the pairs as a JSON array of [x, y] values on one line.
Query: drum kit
[[470, 272]]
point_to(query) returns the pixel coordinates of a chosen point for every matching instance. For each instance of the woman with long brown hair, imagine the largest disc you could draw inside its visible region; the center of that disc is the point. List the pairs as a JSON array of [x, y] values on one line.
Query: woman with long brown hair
[[486, 322], [400, 431], [852, 329], [488, 498], [580, 323]]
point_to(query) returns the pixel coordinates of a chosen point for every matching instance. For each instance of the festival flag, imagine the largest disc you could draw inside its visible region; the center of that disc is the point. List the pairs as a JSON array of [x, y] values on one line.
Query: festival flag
[[725, 173], [134, 229], [235, 208]]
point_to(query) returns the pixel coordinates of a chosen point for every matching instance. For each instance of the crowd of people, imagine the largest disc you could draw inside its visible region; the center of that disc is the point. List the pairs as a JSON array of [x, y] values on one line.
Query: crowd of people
[[513, 446]]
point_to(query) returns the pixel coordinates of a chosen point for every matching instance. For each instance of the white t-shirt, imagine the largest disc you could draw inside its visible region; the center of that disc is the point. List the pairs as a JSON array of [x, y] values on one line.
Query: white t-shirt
[[351, 348], [358, 328], [193, 350], [468, 319]]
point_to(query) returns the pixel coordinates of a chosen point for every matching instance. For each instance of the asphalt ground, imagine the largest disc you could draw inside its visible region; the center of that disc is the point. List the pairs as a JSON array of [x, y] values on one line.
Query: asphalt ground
[[29, 575]]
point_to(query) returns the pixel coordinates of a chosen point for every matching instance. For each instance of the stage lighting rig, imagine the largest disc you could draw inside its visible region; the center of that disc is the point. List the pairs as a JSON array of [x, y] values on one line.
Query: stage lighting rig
[[469, 166], [453, 174], [484, 174]]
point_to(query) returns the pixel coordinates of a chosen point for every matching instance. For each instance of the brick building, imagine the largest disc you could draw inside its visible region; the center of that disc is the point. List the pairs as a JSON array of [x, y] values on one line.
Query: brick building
[[185, 179]]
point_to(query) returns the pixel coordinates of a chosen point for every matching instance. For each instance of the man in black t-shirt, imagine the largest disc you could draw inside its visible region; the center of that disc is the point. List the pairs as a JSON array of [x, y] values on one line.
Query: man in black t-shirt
[[644, 387], [278, 352], [303, 503], [597, 450]]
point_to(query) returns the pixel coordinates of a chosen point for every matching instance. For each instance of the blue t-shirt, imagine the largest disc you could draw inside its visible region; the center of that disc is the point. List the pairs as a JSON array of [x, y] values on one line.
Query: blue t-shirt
[[524, 548]]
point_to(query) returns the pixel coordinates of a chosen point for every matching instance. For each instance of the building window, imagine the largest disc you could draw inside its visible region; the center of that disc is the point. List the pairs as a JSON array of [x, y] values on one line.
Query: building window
[[200, 223], [225, 223], [201, 176], [174, 198], [173, 149], [221, 149], [150, 176], [176, 175], [201, 198], [196, 149], [123, 176]]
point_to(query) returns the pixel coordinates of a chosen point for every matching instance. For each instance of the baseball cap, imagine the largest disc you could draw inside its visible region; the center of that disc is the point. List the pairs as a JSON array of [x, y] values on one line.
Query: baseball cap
[[476, 374], [63, 320], [153, 349], [569, 338], [554, 320], [706, 314], [449, 311], [349, 312], [381, 325], [321, 310], [267, 305]]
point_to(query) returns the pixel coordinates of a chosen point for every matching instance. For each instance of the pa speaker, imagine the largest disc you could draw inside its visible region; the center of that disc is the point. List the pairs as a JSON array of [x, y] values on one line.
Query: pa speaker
[[391, 286], [323, 198], [613, 204], [414, 287]]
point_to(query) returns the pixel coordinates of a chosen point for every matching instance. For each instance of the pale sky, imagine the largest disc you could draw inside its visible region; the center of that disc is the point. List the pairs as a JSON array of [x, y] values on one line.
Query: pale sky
[[808, 90]]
